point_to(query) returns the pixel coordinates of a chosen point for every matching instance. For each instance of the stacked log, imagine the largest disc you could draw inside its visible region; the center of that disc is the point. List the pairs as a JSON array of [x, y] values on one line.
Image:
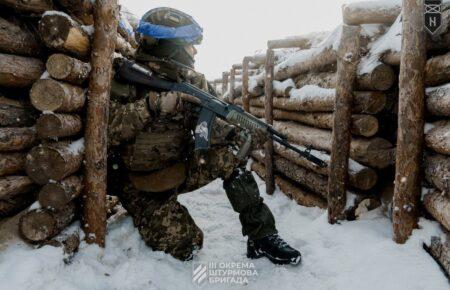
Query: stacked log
[[44, 72]]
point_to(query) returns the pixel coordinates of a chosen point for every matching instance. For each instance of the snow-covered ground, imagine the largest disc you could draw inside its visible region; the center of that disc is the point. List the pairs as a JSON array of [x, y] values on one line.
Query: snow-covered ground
[[355, 255]]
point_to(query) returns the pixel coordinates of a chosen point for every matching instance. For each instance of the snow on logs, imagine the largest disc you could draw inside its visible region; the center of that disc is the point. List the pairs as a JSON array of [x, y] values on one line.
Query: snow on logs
[[371, 12]]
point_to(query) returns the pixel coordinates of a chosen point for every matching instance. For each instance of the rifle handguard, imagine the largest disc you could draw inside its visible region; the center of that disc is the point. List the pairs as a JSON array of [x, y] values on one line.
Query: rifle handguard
[[237, 118]]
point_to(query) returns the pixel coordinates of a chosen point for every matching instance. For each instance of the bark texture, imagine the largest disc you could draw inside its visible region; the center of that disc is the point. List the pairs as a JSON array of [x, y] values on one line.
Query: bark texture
[[55, 96], [55, 196], [438, 205], [438, 138], [15, 114], [363, 125], [32, 6], [11, 163], [17, 139], [40, 225], [68, 69], [19, 71], [374, 152], [268, 116], [12, 186], [410, 121], [94, 207], [348, 58], [355, 14], [16, 39], [53, 161], [437, 172], [438, 101], [50, 126], [301, 196]]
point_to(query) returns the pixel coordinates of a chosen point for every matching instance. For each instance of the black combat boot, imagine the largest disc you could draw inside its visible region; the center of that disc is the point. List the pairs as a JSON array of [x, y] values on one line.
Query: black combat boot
[[274, 248]]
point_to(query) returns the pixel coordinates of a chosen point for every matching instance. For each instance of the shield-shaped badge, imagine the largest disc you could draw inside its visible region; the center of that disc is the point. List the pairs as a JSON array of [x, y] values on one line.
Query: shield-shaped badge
[[433, 15]]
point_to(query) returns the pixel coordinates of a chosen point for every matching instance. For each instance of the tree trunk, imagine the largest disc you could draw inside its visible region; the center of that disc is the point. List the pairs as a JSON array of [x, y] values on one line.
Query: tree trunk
[[438, 205], [315, 182], [54, 96], [300, 42], [301, 196], [440, 250], [80, 9], [438, 101], [437, 172], [360, 176], [68, 69], [225, 76], [319, 59], [56, 196], [15, 39], [323, 101], [15, 114], [13, 206], [283, 89], [19, 71], [32, 6], [437, 70], [17, 139], [410, 121], [123, 47], [60, 32], [356, 13], [12, 186], [41, 225], [438, 138], [348, 58], [325, 80], [364, 125], [94, 207], [268, 116], [245, 78], [11, 163], [375, 152], [232, 87], [54, 161], [380, 78], [51, 126]]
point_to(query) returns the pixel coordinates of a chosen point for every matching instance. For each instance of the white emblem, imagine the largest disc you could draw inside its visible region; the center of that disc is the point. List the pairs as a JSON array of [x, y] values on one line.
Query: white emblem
[[202, 130]]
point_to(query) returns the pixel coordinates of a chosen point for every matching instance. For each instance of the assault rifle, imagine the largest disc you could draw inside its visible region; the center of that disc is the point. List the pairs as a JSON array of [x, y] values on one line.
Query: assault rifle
[[211, 107]]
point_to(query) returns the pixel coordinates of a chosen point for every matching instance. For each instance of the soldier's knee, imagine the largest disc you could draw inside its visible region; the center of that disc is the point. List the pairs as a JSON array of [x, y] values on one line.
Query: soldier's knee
[[242, 190]]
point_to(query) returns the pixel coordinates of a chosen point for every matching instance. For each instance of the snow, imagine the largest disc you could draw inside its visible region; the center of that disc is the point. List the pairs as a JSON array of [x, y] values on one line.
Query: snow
[[350, 256], [440, 90], [391, 41], [76, 147], [282, 86], [312, 92], [376, 5], [428, 127], [89, 29]]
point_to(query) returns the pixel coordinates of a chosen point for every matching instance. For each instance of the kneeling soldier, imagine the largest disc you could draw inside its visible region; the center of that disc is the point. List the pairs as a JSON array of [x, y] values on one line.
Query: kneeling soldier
[[152, 157]]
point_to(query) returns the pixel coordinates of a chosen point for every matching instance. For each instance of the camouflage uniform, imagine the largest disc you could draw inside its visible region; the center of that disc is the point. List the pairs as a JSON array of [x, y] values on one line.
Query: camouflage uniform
[[151, 117]]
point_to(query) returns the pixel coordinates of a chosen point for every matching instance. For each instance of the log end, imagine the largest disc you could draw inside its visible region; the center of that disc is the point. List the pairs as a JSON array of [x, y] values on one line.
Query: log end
[[53, 197], [47, 95], [37, 226], [59, 66], [383, 77], [44, 165]]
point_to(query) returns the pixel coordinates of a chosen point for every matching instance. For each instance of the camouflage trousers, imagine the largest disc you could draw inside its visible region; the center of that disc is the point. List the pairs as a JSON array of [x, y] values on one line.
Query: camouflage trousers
[[166, 225]]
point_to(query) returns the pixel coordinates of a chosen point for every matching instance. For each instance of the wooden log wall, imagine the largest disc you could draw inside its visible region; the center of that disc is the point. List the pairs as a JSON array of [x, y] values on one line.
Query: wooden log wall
[[44, 72]]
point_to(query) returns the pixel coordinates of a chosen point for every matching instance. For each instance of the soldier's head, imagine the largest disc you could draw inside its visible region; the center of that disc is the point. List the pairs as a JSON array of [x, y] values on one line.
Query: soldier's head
[[171, 34]]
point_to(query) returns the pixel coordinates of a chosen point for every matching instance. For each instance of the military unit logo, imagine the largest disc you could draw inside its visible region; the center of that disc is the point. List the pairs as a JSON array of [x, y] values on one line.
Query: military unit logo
[[433, 15]]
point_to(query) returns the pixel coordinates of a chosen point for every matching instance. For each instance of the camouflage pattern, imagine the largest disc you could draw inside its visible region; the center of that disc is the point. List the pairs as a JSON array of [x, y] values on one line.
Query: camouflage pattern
[[164, 223]]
